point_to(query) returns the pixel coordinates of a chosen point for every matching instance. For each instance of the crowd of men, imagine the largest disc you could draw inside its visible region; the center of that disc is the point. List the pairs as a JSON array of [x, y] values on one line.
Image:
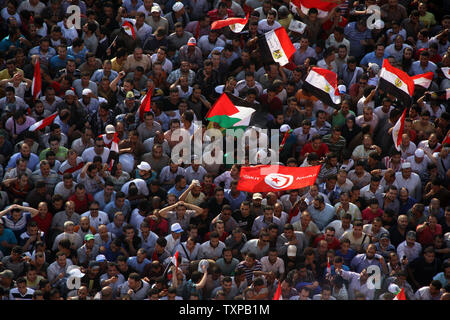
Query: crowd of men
[[143, 227]]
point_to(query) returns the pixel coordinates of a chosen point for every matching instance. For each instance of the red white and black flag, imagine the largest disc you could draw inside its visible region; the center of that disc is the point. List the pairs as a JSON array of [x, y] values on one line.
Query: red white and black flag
[[43, 123], [236, 24], [114, 152], [145, 105], [396, 82], [322, 83], [423, 80], [397, 131], [36, 85], [275, 45], [128, 27]]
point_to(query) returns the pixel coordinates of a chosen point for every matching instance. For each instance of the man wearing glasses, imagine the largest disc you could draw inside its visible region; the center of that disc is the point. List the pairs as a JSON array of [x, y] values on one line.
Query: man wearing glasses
[[97, 150], [259, 247]]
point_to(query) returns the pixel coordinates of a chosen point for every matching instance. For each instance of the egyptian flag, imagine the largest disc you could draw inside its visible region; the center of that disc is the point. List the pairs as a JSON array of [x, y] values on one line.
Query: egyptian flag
[[424, 80], [236, 24], [114, 151], [36, 86], [396, 82], [128, 27], [275, 45], [277, 295], [174, 259], [145, 104], [43, 123], [230, 112], [400, 295], [446, 71], [323, 6], [266, 178], [328, 266], [322, 83], [397, 131]]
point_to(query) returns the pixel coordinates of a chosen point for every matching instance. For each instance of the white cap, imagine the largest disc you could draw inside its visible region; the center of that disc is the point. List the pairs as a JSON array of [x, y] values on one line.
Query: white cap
[[110, 129], [374, 67], [100, 258], [419, 153], [393, 288], [342, 88], [155, 8], [285, 128], [144, 166], [379, 24], [257, 196], [69, 93], [192, 42], [177, 6], [291, 250], [406, 165], [86, 92], [176, 228]]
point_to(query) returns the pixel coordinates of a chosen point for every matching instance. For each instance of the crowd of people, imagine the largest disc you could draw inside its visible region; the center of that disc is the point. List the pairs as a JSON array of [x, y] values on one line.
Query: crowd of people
[[79, 224]]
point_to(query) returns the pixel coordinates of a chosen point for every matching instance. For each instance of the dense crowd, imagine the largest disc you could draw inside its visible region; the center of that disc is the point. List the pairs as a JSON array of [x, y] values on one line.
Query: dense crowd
[[77, 223]]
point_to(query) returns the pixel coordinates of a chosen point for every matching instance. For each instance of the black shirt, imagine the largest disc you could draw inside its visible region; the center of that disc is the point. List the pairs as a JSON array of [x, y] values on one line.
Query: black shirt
[[423, 271], [396, 237], [245, 223]]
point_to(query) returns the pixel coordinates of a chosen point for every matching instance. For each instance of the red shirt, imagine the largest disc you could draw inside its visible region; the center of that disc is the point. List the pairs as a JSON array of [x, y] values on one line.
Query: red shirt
[[43, 224], [335, 244], [367, 214], [327, 25], [213, 15], [321, 152], [274, 106], [426, 237], [221, 238], [81, 206], [161, 228]]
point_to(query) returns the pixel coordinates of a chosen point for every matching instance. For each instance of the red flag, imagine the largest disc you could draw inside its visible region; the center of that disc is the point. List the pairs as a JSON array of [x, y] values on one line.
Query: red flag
[[43, 123], [397, 131], [328, 266], [129, 29], [236, 24], [423, 80], [265, 178], [401, 295], [277, 295], [145, 105], [36, 86], [322, 6], [175, 259]]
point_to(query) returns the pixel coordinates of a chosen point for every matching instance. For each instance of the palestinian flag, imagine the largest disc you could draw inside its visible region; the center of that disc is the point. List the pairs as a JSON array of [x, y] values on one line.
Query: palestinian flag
[[43, 123], [397, 131], [275, 45], [36, 86], [277, 295], [322, 83], [145, 105], [446, 71], [396, 82], [114, 151], [230, 112], [323, 6], [424, 80], [400, 295], [236, 24], [128, 27]]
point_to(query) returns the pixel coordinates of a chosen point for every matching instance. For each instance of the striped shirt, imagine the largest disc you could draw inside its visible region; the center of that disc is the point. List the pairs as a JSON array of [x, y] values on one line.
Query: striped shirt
[[387, 162], [249, 271], [14, 294]]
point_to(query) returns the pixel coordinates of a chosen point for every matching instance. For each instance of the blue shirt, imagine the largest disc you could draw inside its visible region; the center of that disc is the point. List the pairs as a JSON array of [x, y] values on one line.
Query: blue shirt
[[324, 217], [348, 256], [99, 197], [139, 267], [360, 262], [99, 74], [416, 68], [56, 63], [372, 58], [355, 36], [9, 237], [111, 209], [31, 164], [235, 203], [6, 43], [174, 191], [80, 57]]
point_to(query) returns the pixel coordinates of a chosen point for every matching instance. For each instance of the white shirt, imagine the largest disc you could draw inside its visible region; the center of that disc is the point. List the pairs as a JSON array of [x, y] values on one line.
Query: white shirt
[[95, 222], [167, 65], [408, 151], [140, 184], [413, 184], [367, 194], [89, 154], [418, 167], [337, 225], [267, 266], [68, 33], [355, 285], [410, 253]]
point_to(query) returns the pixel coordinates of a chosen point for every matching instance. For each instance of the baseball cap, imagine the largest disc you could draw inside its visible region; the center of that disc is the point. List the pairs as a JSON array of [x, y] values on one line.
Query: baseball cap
[[94, 264], [257, 196], [384, 235], [411, 234], [177, 6], [291, 250], [100, 258], [144, 166], [419, 153], [406, 165], [155, 9], [192, 42], [176, 228], [69, 93], [7, 274], [285, 128], [110, 129], [130, 95], [86, 92], [89, 237]]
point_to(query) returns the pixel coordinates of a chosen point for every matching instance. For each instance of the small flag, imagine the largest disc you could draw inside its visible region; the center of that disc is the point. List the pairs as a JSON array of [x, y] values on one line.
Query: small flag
[[277, 295], [446, 71], [280, 46], [323, 84], [423, 80], [400, 295], [128, 27], [114, 151], [43, 123], [286, 136], [328, 266], [145, 104], [236, 24], [397, 131], [175, 259], [36, 85], [396, 82], [229, 111]]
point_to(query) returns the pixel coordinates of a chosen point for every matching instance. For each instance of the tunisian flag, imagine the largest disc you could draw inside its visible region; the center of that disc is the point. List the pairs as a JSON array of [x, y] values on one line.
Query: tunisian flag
[[36, 86], [423, 80], [323, 84], [145, 104], [43, 123], [266, 178], [236, 24], [397, 131]]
